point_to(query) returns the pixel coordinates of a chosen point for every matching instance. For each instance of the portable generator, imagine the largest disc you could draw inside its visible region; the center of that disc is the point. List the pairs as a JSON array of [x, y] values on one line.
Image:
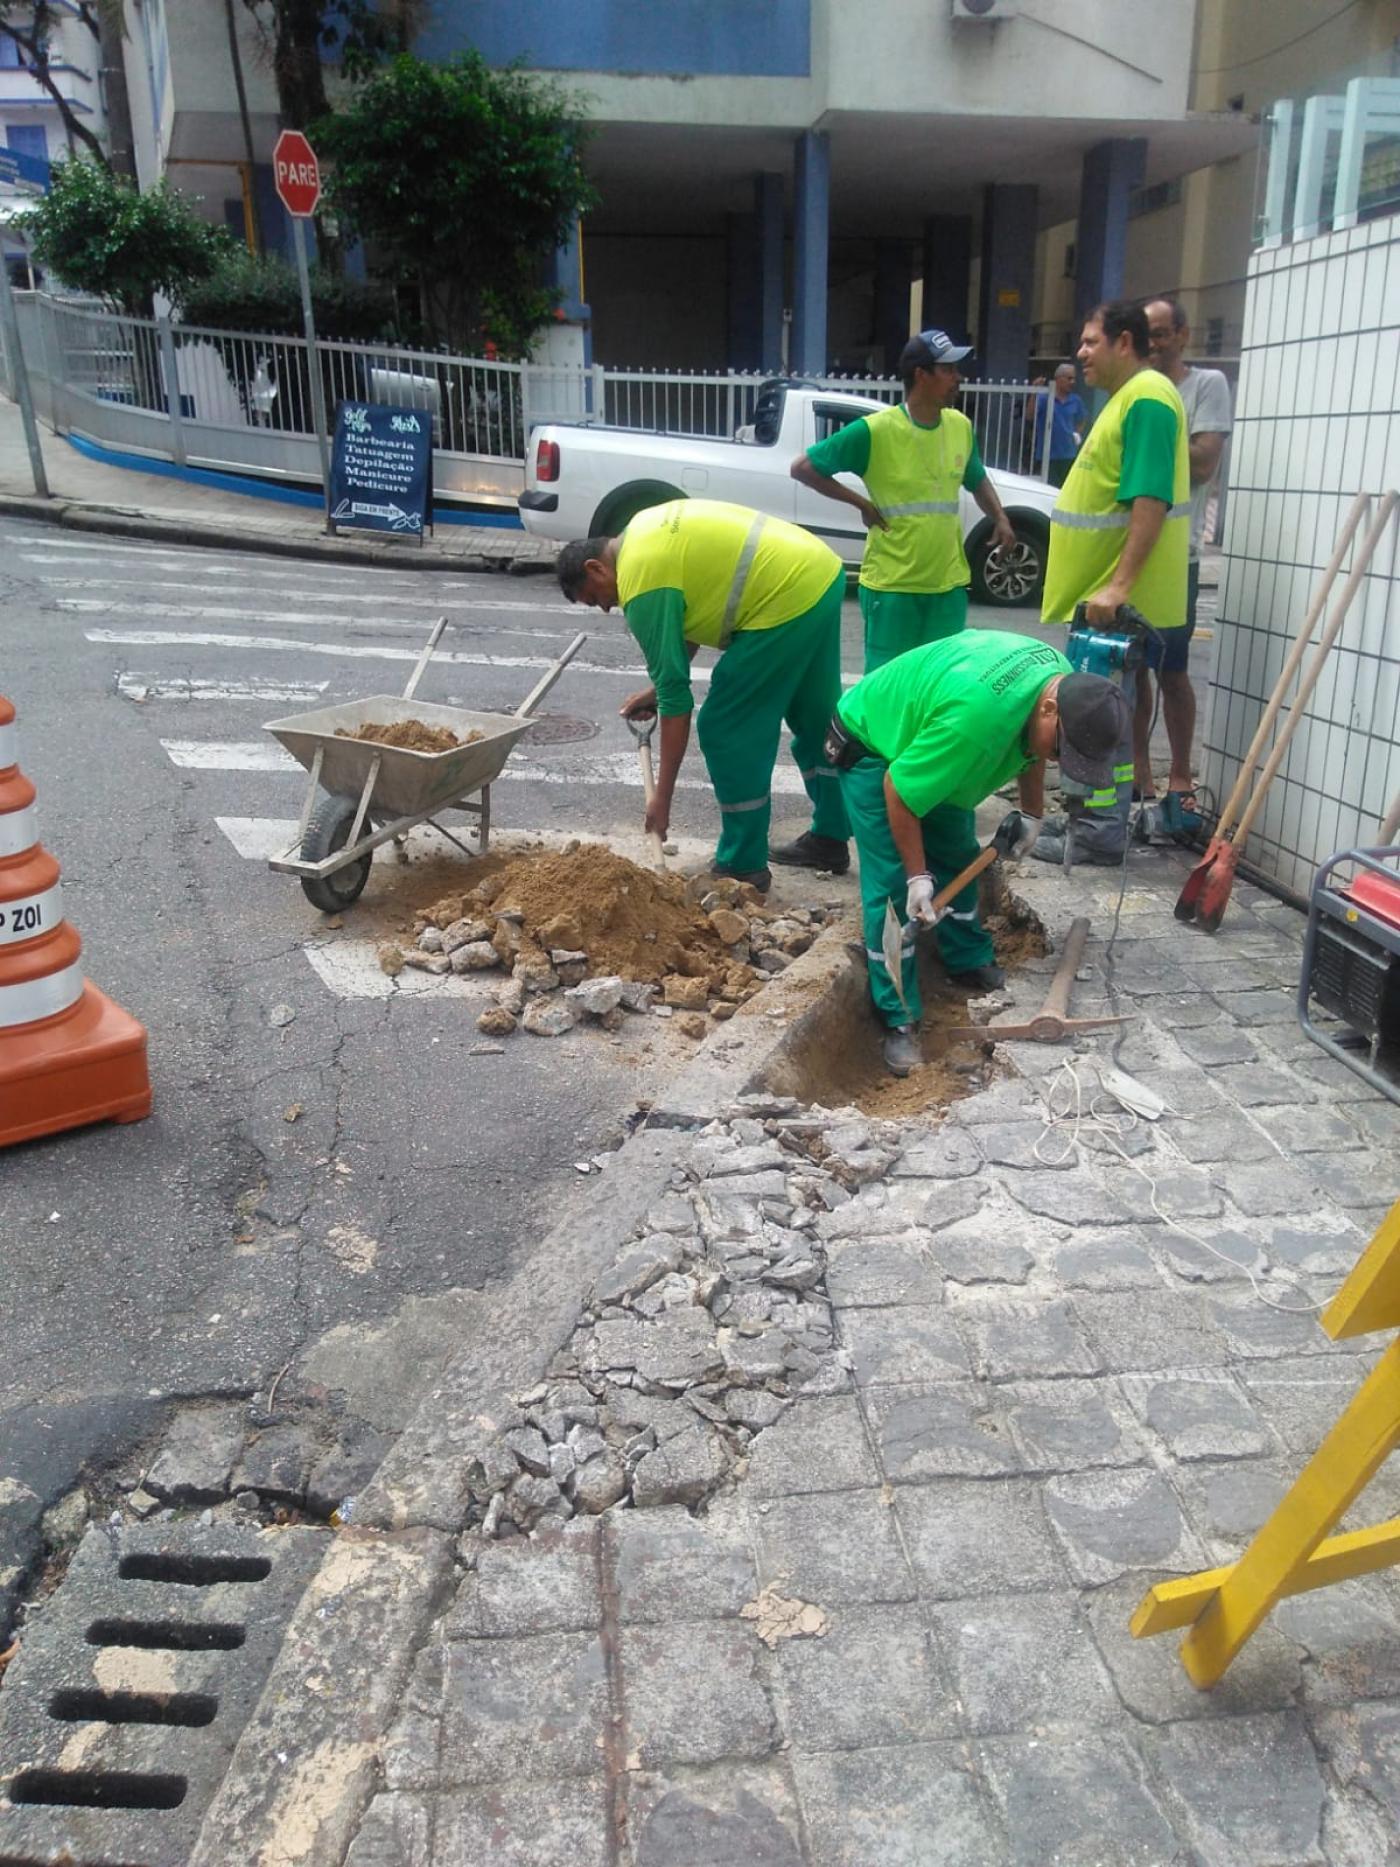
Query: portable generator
[[1351, 963]]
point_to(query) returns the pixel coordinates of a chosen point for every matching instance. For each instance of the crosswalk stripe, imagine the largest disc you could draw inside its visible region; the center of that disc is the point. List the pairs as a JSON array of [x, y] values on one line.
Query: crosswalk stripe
[[146, 687], [599, 768], [352, 651], [80, 605]]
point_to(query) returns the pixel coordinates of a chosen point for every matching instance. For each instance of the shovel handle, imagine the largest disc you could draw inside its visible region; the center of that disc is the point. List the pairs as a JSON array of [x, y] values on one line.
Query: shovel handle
[[654, 842], [982, 860], [548, 678], [422, 662], [1359, 507], [1365, 552]]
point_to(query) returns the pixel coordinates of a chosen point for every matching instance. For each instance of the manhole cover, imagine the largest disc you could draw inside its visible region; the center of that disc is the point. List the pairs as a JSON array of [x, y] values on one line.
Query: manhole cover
[[557, 729]]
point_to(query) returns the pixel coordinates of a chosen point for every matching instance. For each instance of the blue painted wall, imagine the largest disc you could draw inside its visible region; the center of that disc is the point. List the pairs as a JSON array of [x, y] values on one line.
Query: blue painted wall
[[701, 38]]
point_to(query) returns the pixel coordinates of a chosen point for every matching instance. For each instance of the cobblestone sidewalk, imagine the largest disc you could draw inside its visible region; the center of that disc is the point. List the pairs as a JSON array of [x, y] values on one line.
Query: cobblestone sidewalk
[[892, 1627]]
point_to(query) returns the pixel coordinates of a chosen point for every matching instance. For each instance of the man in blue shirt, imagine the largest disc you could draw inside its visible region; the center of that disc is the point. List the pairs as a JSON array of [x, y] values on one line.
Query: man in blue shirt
[[1068, 420]]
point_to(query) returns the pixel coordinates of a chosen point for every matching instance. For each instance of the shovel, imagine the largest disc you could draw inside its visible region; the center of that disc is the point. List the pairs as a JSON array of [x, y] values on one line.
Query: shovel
[[1186, 901], [1214, 894], [642, 730]]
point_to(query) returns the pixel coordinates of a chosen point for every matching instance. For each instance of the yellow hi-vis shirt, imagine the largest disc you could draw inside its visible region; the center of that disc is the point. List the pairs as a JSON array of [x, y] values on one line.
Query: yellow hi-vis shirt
[[698, 571], [1137, 447], [914, 475]]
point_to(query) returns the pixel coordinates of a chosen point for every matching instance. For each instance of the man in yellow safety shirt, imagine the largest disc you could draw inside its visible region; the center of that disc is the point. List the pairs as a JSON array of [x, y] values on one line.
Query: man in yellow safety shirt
[[1120, 533], [696, 573]]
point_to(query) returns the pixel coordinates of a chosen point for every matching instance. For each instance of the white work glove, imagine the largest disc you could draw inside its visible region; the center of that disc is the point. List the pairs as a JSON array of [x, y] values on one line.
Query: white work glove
[[918, 901], [1025, 843]]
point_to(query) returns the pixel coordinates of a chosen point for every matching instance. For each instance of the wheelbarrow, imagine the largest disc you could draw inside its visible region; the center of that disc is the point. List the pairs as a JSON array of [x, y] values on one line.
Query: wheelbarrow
[[371, 794]]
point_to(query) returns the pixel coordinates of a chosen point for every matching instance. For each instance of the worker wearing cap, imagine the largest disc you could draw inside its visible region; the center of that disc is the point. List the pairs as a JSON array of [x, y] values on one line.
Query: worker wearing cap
[[1121, 533], [915, 459], [919, 744], [696, 573]]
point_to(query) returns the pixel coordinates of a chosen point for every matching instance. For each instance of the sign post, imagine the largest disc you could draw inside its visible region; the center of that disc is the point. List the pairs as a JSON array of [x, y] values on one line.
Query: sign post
[[298, 177], [19, 381]]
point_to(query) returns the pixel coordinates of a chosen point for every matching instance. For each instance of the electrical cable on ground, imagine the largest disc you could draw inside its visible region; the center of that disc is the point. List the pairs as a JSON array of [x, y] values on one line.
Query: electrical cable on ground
[[1111, 1124]]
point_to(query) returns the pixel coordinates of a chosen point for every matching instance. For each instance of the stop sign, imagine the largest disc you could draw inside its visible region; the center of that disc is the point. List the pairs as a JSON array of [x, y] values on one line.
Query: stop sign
[[296, 173]]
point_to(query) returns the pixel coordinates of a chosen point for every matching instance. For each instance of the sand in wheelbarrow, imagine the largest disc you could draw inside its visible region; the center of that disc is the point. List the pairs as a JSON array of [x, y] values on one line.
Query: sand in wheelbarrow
[[411, 736], [628, 920]]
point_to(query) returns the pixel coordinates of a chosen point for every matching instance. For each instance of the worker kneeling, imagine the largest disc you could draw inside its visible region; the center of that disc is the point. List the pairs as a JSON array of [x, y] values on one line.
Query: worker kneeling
[[694, 574], [918, 745]]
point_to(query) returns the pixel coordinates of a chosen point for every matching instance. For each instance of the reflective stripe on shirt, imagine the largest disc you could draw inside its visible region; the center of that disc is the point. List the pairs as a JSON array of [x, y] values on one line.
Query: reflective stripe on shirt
[[919, 507], [1108, 521], [739, 579]]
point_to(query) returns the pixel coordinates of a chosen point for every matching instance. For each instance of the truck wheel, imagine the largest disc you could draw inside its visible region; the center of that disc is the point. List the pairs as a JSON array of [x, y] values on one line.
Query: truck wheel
[[619, 508], [1012, 578]]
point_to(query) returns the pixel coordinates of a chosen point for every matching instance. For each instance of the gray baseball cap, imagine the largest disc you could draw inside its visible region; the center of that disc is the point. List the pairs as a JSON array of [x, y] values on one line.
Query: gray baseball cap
[[1093, 721]]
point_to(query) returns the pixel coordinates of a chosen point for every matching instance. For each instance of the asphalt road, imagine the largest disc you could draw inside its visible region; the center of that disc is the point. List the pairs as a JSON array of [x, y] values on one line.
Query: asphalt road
[[200, 1252]]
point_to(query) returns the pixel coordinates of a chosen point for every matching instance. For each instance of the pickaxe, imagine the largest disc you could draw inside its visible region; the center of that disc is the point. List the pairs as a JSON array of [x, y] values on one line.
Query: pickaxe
[[1051, 1024]]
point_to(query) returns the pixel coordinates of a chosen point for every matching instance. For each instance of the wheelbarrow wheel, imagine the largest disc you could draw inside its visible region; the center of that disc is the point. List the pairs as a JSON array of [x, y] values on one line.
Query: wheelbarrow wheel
[[328, 831]]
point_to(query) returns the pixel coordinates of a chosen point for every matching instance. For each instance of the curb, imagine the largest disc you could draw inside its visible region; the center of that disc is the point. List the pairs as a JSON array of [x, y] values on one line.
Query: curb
[[132, 522], [307, 1764]]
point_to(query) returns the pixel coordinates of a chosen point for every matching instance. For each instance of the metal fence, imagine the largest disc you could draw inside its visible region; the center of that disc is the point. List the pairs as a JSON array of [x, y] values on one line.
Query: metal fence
[[242, 401]]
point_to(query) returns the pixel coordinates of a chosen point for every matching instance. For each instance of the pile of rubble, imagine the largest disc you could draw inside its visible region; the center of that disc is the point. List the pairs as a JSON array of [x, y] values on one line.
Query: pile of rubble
[[583, 935], [708, 1322]]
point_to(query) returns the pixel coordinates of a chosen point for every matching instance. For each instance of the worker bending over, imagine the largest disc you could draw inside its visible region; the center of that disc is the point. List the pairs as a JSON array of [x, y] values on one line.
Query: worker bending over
[[919, 744], [767, 595]]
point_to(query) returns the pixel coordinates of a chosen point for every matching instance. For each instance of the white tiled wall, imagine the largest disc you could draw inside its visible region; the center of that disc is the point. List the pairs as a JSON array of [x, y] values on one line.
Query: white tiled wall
[[1317, 420]]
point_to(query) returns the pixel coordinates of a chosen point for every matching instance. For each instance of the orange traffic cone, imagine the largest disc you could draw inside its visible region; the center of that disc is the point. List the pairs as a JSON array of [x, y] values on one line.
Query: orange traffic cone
[[68, 1055]]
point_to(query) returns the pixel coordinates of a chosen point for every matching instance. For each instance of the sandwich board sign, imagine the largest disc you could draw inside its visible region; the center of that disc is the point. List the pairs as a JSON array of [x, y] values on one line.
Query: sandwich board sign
[[382, 470]]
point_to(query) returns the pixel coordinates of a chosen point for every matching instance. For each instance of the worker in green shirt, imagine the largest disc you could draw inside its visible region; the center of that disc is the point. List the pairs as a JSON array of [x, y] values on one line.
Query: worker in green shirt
[[919, 744], [914, 459], [1120, 534], [696, 573]]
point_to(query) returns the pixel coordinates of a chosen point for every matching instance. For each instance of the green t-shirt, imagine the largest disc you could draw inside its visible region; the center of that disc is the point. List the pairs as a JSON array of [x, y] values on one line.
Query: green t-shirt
[[1149, 453], [950, 718]]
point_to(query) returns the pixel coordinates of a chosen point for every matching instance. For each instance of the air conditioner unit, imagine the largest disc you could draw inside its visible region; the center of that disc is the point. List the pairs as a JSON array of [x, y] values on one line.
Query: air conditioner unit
[[986, 10]]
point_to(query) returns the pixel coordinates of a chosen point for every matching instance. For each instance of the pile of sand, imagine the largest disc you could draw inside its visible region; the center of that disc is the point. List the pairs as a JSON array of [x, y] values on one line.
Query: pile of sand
[[628, 920], [411, 736]]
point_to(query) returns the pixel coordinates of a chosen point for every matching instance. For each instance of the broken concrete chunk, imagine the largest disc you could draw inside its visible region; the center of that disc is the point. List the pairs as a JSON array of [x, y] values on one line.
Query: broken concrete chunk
[[547, 1017], [596, 996], [637, 1268], [430, 940], [528, 1445], [419, 961], [728, 925], [193, 1465], [497, 1022], [474, 956], [530, 1499], [682, 1471], [684, 994], [462, 933], [600, 1482]]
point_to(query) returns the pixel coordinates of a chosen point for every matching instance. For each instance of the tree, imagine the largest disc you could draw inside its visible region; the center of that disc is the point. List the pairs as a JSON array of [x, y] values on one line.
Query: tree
[[464, 180], [100, 235], [297, 34], [32, 35]]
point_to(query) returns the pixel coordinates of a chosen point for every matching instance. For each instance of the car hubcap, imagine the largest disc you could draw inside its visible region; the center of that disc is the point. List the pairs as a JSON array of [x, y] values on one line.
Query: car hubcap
[[1010, 575]]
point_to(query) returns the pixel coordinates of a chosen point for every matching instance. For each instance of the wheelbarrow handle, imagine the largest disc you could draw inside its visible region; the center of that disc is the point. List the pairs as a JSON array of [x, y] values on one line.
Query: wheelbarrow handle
[[426, 656], [548, 678]]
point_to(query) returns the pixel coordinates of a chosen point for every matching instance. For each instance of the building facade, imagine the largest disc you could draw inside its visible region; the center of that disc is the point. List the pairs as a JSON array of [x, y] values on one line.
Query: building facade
[[33, 133]]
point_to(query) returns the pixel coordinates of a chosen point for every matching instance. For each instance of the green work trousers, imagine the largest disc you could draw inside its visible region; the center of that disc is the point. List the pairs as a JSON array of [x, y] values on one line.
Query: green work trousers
[[898, 620], [764, 678], [950, 843]]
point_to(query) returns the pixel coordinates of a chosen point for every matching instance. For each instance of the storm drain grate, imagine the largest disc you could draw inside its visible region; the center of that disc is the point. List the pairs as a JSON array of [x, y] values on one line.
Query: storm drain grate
[[120, 1714]]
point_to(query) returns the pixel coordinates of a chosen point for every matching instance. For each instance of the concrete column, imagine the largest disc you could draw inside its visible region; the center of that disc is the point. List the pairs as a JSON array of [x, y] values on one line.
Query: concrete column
[[566, 274], [947, 273], [1111, 171], [768, 201], [1007, 279], [891, 321], [810, 234], [743, 341]]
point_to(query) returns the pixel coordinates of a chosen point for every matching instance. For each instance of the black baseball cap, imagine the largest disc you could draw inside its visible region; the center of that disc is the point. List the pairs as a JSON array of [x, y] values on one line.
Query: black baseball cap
[[1093, 722], [931, 347]]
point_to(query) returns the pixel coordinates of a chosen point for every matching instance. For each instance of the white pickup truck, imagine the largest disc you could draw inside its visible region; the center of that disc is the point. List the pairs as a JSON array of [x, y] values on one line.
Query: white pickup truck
[[583, 479]]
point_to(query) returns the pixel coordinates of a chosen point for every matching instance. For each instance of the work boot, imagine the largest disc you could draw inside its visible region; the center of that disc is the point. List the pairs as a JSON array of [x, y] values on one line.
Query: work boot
[[980, 978], [830, 854], [1050, 847], [761, 879], [901, 1048]]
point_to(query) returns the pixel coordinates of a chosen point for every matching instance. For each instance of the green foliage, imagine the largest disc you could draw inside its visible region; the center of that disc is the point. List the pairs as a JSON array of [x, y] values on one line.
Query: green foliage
[[462, 180], [247, 293], [101, 236]]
